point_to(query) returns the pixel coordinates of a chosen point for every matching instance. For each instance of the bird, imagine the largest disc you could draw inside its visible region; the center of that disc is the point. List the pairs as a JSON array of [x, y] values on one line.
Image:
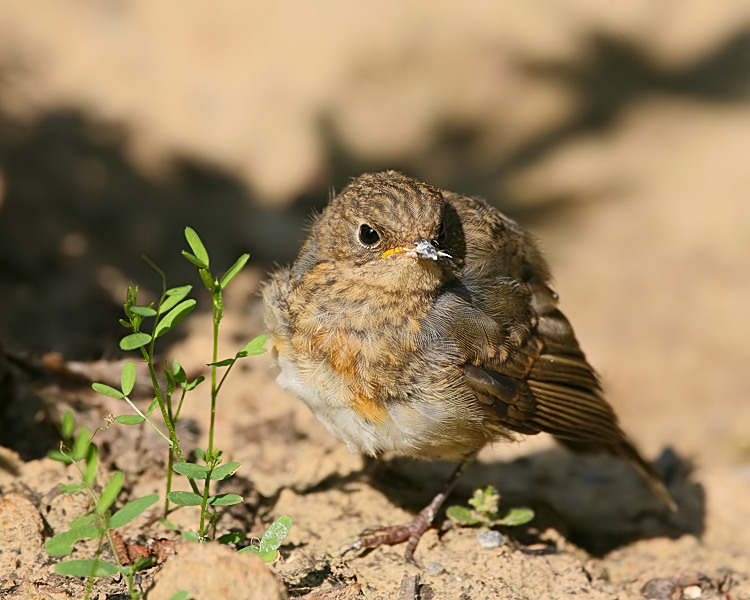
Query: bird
[[420, 322]]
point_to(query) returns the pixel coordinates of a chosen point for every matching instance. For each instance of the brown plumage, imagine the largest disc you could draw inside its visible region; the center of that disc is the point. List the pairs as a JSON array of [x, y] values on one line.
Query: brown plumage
[[420, 321]]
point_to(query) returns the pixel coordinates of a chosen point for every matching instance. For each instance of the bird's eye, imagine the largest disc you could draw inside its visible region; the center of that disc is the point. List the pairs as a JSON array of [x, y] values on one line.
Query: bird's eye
[[367, 235]]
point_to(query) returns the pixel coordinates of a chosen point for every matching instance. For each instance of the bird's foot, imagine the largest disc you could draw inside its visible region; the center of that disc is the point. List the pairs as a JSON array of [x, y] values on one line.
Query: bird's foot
[[410, 533]]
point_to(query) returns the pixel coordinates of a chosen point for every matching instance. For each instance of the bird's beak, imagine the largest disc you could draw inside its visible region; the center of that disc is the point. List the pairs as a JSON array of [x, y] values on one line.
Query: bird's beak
[[423, 249]]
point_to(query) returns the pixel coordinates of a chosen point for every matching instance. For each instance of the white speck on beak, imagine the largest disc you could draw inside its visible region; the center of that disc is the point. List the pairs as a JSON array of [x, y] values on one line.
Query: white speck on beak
[[425, 249]]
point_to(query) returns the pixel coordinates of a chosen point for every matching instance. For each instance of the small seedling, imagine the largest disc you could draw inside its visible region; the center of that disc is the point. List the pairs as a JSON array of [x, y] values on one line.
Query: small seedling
[[99, 523], [485, 511], [274, 536], [172, 307]]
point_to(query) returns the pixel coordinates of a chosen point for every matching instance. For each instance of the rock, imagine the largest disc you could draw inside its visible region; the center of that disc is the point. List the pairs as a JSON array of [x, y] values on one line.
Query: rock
[[658, 588], [21, 539], [491, 539], [215, 571], [434, 568]]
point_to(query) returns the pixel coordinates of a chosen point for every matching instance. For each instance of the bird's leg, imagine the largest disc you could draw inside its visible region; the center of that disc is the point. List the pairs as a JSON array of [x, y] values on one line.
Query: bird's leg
[[411, 532]]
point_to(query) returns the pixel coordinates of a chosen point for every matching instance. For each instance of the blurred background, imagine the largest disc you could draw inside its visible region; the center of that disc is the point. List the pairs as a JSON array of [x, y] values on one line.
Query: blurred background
[[618, 132]]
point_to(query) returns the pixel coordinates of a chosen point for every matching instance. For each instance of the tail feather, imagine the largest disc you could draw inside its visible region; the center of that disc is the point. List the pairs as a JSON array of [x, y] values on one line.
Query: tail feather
[[626, 451]]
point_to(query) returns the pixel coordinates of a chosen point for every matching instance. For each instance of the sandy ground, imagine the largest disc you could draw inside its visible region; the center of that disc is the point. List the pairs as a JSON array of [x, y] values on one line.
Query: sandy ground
[[617, 132]]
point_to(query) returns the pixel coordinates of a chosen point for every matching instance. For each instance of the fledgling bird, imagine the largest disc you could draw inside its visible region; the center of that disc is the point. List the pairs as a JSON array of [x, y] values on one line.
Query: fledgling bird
[[420, 322]]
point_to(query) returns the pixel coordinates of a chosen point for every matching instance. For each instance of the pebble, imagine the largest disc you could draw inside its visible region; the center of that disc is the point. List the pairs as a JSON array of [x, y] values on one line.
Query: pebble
[[692, 592], [491, 539], [434, 568], [660, 588]]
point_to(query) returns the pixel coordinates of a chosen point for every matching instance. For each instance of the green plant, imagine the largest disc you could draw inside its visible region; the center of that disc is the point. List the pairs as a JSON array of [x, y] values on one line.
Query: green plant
[[485, 511], [99, 523], [268, 545], [171, 308]]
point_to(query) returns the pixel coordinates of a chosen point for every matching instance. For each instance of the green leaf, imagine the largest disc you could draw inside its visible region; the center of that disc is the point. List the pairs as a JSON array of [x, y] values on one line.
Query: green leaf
[[68, 424], [271, 540], [107, 390], [200, 453], [127, 377], [181, 595], [275, 534], [461, 515], [169, 524], [174, 316], [225, 500], [190, 536], [233, 270], [486, 500], [171, 383], [207, 280], [195, 383], [143, 311], [254, 346], [185, 498], [191, 470], [140, 563], [92, 461], [516, 517], [71, 488], [110, 492], [86, 519], [131, 510], [233, 537], [59, 456], [267, 557], [192, 258], [152, 406], [81, 444], [196, 245], [224, 471], [221, 363], [179, 373], [174, 296], [62, 543], [129, 419], [86, 568], [134, 341]]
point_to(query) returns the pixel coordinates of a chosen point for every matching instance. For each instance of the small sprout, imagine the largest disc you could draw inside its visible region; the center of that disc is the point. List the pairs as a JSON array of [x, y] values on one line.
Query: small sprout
[[145, 324], [272, 539], [485, 503]]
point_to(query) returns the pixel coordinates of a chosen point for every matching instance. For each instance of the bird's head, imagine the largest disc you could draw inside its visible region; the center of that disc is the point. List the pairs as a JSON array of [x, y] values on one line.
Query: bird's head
[[391, 226]]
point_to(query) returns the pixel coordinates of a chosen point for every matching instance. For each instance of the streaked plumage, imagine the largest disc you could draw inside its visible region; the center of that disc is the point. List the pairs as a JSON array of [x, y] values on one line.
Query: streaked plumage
[[433, 357]]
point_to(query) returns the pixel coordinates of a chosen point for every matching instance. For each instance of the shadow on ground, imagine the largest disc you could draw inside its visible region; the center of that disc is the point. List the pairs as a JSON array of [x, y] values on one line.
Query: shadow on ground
[[597, 502], [77, 213]]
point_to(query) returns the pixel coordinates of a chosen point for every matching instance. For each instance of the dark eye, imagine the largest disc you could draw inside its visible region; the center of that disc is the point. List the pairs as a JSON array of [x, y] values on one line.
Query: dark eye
[[367, 235]]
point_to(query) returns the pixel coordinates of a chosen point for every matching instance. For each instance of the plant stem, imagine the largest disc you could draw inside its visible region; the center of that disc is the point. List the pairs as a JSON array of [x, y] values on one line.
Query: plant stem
[[204, 502], [153, 426], [175, 444], [217, 314]]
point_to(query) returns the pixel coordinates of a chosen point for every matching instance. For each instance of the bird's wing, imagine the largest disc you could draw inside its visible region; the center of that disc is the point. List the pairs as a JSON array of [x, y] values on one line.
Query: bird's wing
[[545, 384], [541, 382]]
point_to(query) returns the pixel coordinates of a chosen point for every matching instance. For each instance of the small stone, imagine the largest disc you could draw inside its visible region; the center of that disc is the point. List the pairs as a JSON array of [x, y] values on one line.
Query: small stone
[[434, 568], [491, 539], [658, 588], [692, 592]]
